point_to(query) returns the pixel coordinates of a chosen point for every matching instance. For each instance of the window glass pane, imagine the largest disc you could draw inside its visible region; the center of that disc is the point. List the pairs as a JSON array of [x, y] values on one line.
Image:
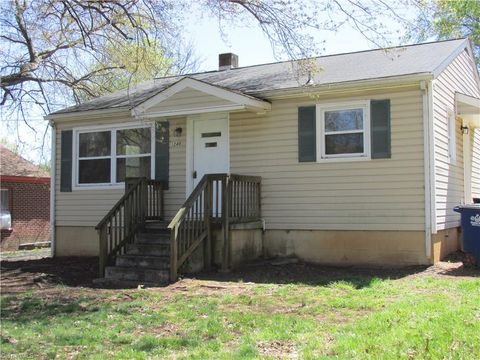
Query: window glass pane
[[94, 144], [344, 144], [5, 202], [94, 171], [133, 167], [344, 120], [133, 141]]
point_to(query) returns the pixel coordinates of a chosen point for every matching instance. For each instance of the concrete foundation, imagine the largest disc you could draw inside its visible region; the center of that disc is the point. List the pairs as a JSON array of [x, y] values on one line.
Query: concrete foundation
[[76, 241], [391, 248], [445, 242], [248, 242]]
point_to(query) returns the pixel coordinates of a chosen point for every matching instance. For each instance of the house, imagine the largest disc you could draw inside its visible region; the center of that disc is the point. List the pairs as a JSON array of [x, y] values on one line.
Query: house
[[358, 159], [25, 201]]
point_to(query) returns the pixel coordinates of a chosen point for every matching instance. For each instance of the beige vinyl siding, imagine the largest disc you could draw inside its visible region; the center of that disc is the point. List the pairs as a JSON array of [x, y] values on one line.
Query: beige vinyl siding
[[175, 196], [449, 175], [475, 142], [87, 207], [383, 194], [189, 99]]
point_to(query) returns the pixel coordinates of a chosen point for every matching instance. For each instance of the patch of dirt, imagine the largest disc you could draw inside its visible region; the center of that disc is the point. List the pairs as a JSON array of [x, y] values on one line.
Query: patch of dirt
[[456, 265], [47, 273], [24, 275], [205, 287], [278, 349], [165, 330]]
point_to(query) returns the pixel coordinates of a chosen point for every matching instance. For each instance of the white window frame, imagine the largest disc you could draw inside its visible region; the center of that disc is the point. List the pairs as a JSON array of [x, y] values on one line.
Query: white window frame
[[321, 133], [452, 136], [113, 154]]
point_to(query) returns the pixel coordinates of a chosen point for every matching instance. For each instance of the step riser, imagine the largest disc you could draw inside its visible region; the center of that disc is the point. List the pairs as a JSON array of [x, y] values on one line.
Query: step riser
[[142, 262], [155, 231], [143, 238], [129, 274], [156, 227], [153, 250], [146, 260]]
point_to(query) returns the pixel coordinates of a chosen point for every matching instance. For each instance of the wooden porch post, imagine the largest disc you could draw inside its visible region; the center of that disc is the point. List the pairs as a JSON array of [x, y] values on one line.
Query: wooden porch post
[[226, 221], [173, 254], [102, 255], [207, 247]]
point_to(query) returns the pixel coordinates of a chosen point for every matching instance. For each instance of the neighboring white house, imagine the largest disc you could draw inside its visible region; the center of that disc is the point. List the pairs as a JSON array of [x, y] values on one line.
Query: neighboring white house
[[362, 160]]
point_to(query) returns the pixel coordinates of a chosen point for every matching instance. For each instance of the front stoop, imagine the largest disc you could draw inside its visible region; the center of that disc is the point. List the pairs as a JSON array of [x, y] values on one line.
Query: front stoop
[[146, 262]]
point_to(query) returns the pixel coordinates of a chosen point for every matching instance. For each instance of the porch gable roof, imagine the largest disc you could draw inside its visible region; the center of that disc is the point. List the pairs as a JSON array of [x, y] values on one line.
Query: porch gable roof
[[216, 98]]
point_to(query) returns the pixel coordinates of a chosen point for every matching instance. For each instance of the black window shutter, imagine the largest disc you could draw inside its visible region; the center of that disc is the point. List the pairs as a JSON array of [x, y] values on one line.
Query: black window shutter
[[380, 129], [66, 161], [307, 139], [162, 152]]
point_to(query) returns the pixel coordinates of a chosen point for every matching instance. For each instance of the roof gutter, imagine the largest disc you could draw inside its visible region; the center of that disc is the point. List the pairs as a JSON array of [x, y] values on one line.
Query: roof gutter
[[372, 84], [80, 114], [379, 83]]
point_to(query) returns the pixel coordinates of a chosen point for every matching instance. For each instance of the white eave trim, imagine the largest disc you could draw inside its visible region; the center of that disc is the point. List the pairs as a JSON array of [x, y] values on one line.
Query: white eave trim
[[354, 85], [466, 99], [201, 110], [87, 113], [444, 64], [239, 101]]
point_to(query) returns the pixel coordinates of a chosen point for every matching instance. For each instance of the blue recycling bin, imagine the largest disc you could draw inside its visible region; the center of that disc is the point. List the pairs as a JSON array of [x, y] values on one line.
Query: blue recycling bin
[[470, 215]]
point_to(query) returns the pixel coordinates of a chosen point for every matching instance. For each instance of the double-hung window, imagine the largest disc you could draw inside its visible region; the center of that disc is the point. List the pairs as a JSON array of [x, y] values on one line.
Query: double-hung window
[[107, 157], [344, 131]]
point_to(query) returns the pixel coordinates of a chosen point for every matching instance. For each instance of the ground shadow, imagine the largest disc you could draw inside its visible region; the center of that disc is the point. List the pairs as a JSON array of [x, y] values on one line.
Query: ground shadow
[[30, 308], [21, 276], [69, 271], [266, 272]]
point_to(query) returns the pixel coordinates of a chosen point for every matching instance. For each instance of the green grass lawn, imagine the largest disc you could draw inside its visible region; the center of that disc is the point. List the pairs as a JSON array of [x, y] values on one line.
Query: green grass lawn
[[414, 317]]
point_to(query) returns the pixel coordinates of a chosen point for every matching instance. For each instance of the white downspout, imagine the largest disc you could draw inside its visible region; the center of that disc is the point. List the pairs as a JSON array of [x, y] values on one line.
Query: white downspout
[[424, 86], [467, 166], [53, 162]]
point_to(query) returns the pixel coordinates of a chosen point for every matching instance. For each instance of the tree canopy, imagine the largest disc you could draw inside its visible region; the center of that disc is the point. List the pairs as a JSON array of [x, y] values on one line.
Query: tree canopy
[[54, 53], [446, 19]]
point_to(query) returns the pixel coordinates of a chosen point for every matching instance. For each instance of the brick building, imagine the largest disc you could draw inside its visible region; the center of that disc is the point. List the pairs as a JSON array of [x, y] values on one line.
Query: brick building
[[25, 193]]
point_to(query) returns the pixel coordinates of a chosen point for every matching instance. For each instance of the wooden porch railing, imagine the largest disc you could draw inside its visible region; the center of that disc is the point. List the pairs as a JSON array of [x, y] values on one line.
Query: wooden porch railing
[[220, 198], [143, 200]]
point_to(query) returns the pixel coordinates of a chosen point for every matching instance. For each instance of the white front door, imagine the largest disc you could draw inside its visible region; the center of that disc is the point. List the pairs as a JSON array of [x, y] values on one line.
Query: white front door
[[210, 146]]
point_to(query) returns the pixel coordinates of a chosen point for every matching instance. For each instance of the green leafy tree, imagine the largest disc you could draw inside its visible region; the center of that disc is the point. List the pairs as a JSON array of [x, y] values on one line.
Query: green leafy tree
[[446, 19], [133, 63]]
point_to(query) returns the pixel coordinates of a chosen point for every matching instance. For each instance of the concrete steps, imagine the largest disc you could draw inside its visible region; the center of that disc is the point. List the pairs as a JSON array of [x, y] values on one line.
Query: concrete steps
[[141, 276], [146, 261], [148, 249], [143, 261], [148, 238]]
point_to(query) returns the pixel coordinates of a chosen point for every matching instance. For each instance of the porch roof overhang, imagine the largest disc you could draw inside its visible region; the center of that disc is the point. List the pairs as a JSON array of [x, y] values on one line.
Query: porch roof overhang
[[229, 100], [468, 108]]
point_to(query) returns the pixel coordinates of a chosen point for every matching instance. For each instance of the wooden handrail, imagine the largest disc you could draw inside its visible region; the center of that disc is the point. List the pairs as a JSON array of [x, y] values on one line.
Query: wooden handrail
[[143, 200], [223, 198], [118, 204], [194, 195]]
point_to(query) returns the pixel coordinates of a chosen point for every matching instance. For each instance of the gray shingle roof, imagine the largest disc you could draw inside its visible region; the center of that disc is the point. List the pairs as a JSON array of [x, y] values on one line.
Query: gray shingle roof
[[331, 69]]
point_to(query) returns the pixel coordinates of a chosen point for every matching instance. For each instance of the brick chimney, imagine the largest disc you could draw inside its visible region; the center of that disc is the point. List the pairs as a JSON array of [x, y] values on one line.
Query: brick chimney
[[227, 61]]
